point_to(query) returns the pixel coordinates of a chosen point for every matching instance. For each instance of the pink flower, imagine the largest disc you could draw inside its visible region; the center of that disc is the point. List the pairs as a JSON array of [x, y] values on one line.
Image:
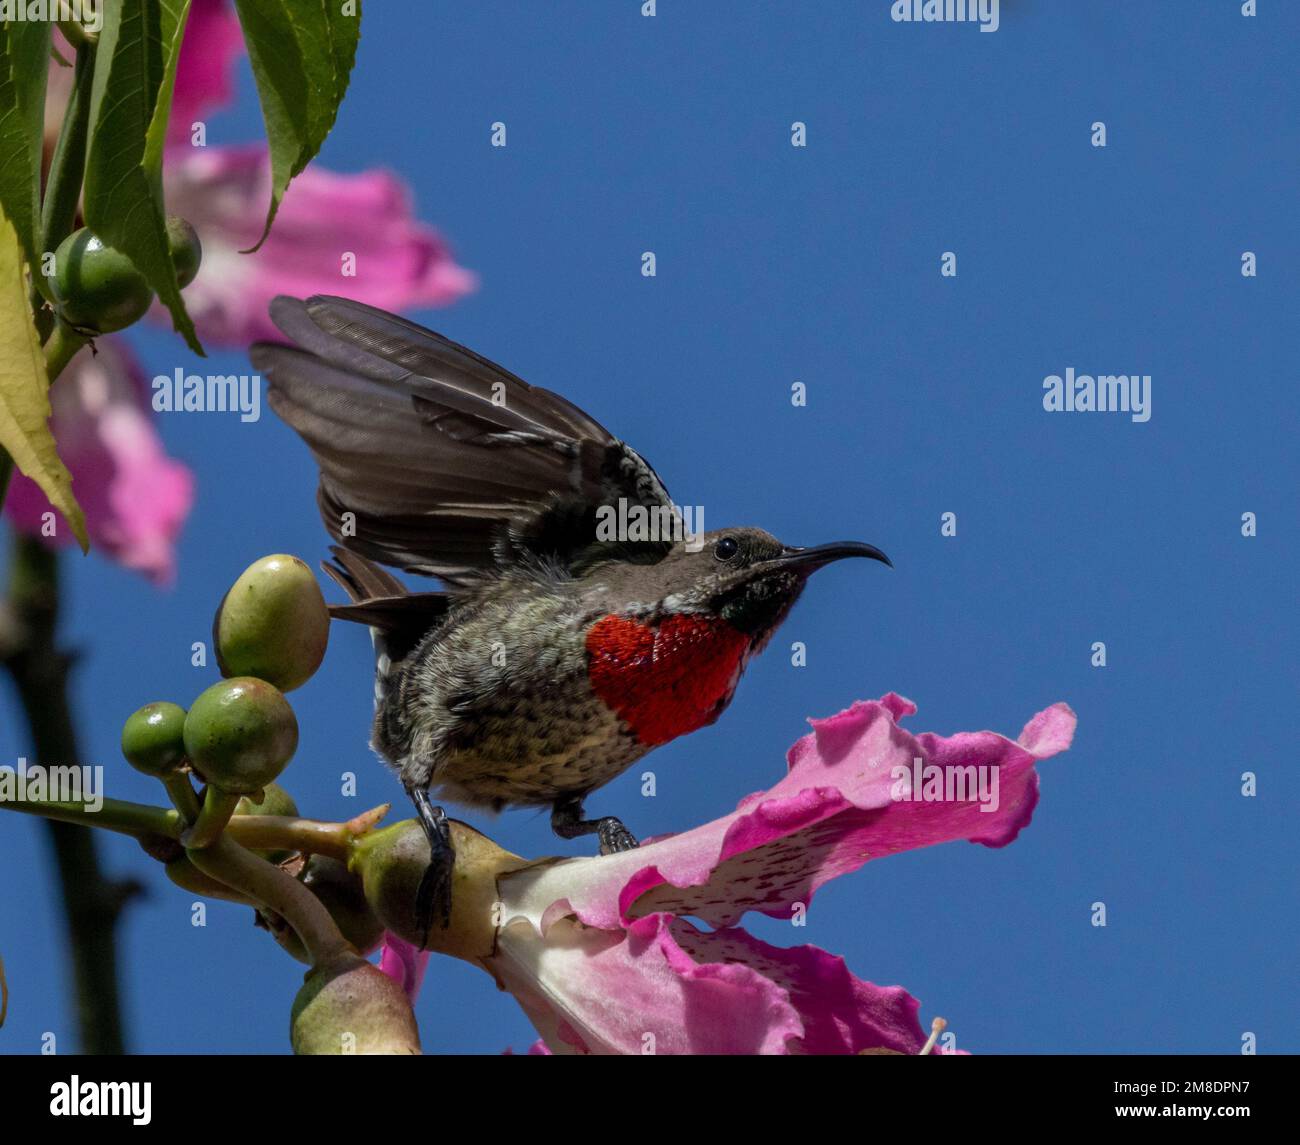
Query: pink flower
[[600, 956], [341, 234], [136, 502], [664, 986], [134, 496], [843, 801], [205, 72], [403, 963], [336, 234]]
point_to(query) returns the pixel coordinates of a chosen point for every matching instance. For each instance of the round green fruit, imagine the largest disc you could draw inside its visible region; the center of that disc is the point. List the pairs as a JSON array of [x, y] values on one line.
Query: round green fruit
[[97, 287], [273, 623], [153, 739], [275, 801], [239, 734], [184, 247]]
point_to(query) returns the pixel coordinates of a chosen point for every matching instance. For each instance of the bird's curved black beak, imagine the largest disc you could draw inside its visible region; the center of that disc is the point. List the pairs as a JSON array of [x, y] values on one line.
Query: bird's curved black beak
[[818, 556]]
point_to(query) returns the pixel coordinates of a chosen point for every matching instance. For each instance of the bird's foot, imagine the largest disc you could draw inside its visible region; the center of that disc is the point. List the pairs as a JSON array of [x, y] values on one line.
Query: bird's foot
[[433, 899], [614, 837], [568, 823]]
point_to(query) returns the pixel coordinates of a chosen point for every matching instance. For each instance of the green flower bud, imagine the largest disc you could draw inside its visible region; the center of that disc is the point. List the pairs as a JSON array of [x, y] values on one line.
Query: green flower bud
[[275, 801], [184, 247], [97, 287], [153, 739], [239, 734], [272, 624], [352, 1007]]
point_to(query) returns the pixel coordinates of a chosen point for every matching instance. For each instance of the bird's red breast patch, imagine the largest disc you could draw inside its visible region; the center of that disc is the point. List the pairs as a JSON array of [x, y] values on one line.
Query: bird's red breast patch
[[664, 679]]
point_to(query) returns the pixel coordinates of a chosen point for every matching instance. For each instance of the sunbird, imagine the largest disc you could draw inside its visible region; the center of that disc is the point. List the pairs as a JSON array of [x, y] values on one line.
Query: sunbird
[[561, 648]]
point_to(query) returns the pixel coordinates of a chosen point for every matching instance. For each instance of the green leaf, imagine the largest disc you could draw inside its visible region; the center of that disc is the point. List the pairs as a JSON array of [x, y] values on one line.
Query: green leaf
[[24, 58], [302, 52], [135, 72], [24, 389]]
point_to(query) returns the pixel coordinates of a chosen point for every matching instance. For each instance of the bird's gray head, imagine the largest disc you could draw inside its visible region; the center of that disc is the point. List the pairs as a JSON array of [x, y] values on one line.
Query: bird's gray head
[[742, 574]]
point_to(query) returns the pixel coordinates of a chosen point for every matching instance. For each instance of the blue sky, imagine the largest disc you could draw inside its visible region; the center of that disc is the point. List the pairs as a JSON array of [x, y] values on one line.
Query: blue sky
[[821, 264]]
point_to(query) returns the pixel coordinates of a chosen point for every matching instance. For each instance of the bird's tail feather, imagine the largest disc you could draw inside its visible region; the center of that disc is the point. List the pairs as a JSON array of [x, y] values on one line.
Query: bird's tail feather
[[398, 619]]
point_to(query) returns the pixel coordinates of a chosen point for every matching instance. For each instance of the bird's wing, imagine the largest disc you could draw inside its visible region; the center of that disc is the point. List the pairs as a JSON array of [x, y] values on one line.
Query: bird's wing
[[435, 460]]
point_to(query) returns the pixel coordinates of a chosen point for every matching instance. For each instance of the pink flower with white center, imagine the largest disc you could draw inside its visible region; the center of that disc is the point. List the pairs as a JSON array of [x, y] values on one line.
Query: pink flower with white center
[[333, 233], [134, 496], [663, 986], [601, 957]]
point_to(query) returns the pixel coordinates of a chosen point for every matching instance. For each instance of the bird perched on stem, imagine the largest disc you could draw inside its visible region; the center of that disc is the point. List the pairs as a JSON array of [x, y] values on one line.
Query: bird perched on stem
[[564, 644]]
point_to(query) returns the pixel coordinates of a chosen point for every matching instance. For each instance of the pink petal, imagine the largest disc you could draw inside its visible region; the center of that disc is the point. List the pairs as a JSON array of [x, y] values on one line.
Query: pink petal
[[841, 1014], [591, 991], [834, 810], [205, 79], [328, 223], [666, 987], [205, 74], [134, 496], [404, 963]]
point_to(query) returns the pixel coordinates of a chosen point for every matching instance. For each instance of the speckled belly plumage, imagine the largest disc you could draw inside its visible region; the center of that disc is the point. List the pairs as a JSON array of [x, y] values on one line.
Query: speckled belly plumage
[[526, 705]]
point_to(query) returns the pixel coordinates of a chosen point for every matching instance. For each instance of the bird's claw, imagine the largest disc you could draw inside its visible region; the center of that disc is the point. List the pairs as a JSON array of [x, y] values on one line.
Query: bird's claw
[[433, 899], [568, 823], [614, 837]]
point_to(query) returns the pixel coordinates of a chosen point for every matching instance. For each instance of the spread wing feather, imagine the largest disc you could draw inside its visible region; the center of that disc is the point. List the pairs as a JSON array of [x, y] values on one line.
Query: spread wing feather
[[448, 464]]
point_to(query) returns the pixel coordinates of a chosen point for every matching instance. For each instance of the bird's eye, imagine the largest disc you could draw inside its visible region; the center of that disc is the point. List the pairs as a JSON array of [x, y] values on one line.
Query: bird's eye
[[726, 548]]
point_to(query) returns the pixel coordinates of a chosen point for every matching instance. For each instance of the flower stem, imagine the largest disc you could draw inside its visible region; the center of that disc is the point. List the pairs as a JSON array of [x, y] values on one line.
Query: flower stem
[[259, 832], [280, 833], [182, 795], [63, 183], [228, 862], [218, 807], [61, 348], [188, 877], [241, 870], [115, 815], [68, 163]]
